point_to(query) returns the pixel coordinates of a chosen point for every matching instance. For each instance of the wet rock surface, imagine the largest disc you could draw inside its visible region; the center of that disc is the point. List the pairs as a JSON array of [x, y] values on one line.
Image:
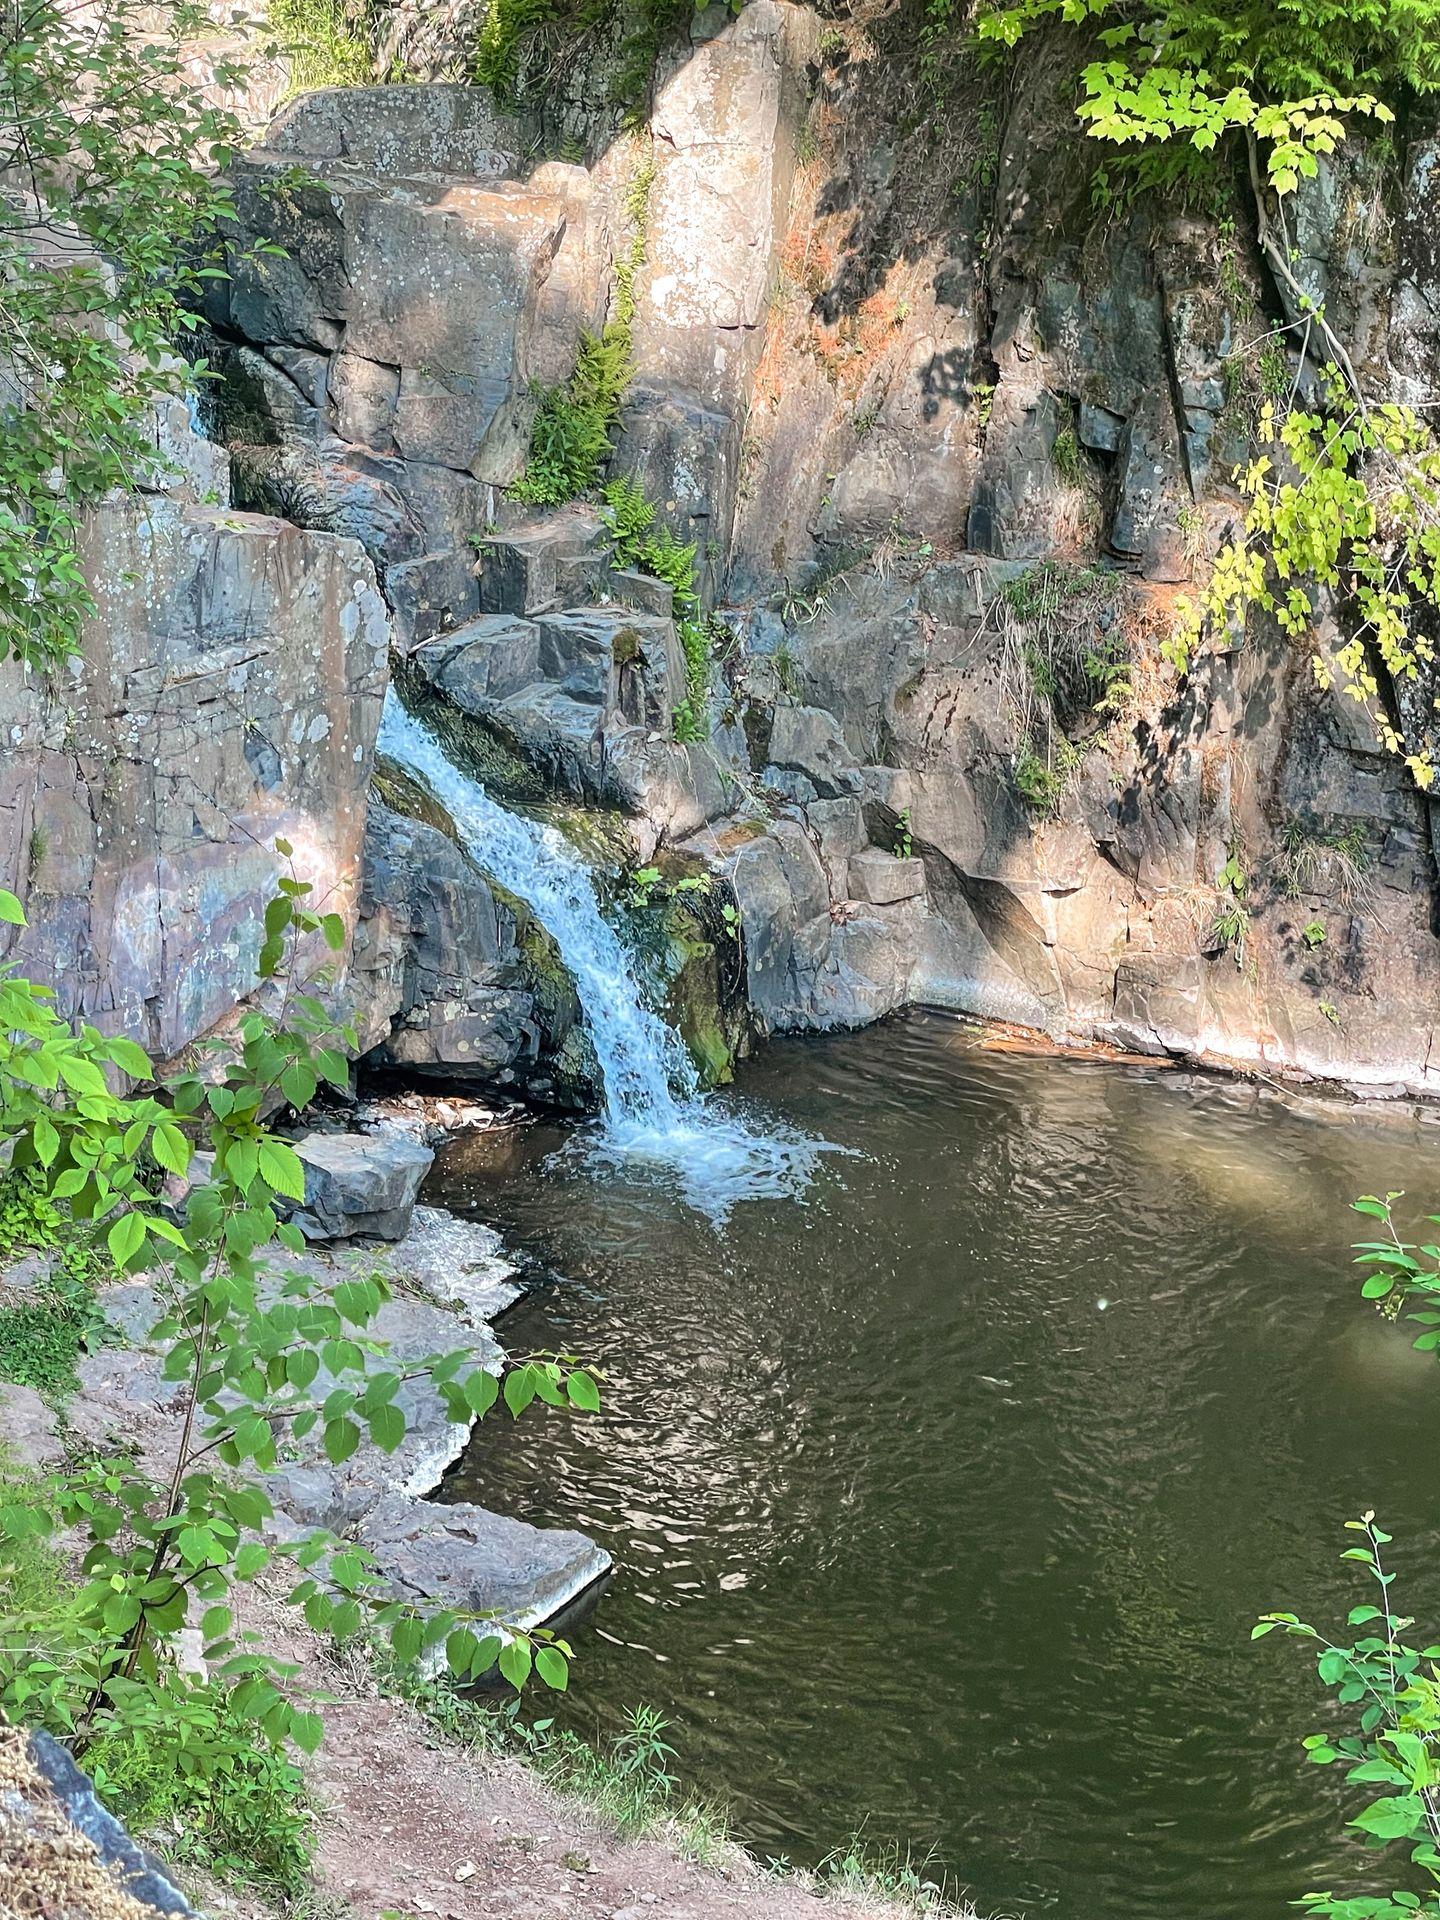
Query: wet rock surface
[[449, 1280]]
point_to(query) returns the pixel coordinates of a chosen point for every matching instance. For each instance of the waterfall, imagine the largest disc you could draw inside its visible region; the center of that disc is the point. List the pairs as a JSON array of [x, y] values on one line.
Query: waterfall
[[653, 1115]]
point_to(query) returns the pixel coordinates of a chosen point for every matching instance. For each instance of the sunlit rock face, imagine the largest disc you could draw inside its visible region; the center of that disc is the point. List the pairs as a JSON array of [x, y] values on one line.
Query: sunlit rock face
[[226, 695], [928, 417]]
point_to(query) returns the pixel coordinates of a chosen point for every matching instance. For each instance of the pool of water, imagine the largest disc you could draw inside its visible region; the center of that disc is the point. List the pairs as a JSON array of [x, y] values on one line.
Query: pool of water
[[943, 1498]]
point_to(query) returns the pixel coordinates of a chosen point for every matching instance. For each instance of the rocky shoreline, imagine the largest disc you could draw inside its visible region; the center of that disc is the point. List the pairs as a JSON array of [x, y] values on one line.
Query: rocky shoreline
[[450, 1283]]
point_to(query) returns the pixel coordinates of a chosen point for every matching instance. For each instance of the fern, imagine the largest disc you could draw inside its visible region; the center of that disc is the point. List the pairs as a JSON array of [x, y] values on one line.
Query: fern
[[571, 437]]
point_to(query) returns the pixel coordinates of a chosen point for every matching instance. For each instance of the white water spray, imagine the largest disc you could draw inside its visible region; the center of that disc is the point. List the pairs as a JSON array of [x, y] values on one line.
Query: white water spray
[[653, 1115]]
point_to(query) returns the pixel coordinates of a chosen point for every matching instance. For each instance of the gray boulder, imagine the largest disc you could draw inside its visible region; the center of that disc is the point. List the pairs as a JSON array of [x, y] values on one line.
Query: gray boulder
[[880, 879], [28, 1427], [808, 741], [360, 1183], [462, 1556]]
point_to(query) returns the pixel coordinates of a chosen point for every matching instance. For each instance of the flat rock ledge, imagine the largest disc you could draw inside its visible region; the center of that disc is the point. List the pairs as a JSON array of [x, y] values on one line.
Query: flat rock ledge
[[449, 1280], [60, 1851]]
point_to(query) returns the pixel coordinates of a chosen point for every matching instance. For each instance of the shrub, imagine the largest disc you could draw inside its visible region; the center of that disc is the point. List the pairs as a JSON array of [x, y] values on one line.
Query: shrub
[[245, 1346], [44, 1328], [121, 146], [1387, 1686], [329, 43]]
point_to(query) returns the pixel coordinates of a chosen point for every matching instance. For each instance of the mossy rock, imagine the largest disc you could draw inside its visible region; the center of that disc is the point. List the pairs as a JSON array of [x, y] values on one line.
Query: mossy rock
[[689, 954]]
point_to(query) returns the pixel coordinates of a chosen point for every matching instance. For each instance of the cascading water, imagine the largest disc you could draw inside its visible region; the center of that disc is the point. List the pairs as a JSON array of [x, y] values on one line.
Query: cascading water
[[653, 1115]]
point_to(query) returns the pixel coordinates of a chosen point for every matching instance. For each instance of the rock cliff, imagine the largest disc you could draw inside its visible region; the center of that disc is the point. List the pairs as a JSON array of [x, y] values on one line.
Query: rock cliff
[[949, 439]]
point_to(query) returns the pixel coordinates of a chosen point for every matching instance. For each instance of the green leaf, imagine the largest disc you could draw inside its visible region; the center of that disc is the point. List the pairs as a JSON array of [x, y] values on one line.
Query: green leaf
[[170, 1148], [583, 1392], [387, 1427], [282, 1169], [481, 1390], [250, 1560], [307, 1730], [407, 1638], [515, 1663], [342, 1437], [12, 914], [553, 1668], [302, 1364], [126, 1237], [519, 1391]]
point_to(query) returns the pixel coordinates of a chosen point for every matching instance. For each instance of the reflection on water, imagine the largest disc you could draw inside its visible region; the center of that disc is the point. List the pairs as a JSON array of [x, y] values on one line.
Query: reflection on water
[[943, 1500]]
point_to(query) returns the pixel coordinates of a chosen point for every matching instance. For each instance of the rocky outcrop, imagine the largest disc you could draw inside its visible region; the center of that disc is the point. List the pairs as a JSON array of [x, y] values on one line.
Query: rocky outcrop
[[449, 1281], [949, 445], [359, 1184], [226, 694]]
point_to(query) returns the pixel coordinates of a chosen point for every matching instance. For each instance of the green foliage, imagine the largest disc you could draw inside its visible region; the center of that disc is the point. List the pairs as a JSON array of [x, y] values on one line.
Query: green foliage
[[1231, 925], [1182, 74], [45, 1326], [110, 148], [1347, 498], [223, 1800], [630, 519], [1065, 455], [570, 437], [1039, 782], [526, 47], [1388, 1688], [259, 1357], [904, 846], [1392, 1691], [889, 1877], [1313, 934], [1404, 1279], [329, 43]]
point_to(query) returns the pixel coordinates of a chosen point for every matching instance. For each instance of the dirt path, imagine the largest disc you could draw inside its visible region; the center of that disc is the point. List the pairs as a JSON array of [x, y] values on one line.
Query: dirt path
[[436, 1831], [411, 1823]]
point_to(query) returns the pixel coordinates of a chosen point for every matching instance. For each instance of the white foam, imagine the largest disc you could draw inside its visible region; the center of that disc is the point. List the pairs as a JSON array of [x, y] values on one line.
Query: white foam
[[655, 1122]]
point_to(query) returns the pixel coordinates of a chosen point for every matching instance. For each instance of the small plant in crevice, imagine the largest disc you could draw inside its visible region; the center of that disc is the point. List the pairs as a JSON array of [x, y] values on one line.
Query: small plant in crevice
[[571, 436], [904, 845], [1313, 934], [1065, 454], [1041, 783], [1311, 860], [636, 542], [1230, 928], [1064, 669]]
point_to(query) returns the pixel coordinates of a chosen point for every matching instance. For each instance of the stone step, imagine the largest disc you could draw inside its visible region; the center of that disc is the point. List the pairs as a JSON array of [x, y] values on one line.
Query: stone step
[[616, 657], [489, 659], [625, 663], [882, 879], [540, 563], [430, 595]]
